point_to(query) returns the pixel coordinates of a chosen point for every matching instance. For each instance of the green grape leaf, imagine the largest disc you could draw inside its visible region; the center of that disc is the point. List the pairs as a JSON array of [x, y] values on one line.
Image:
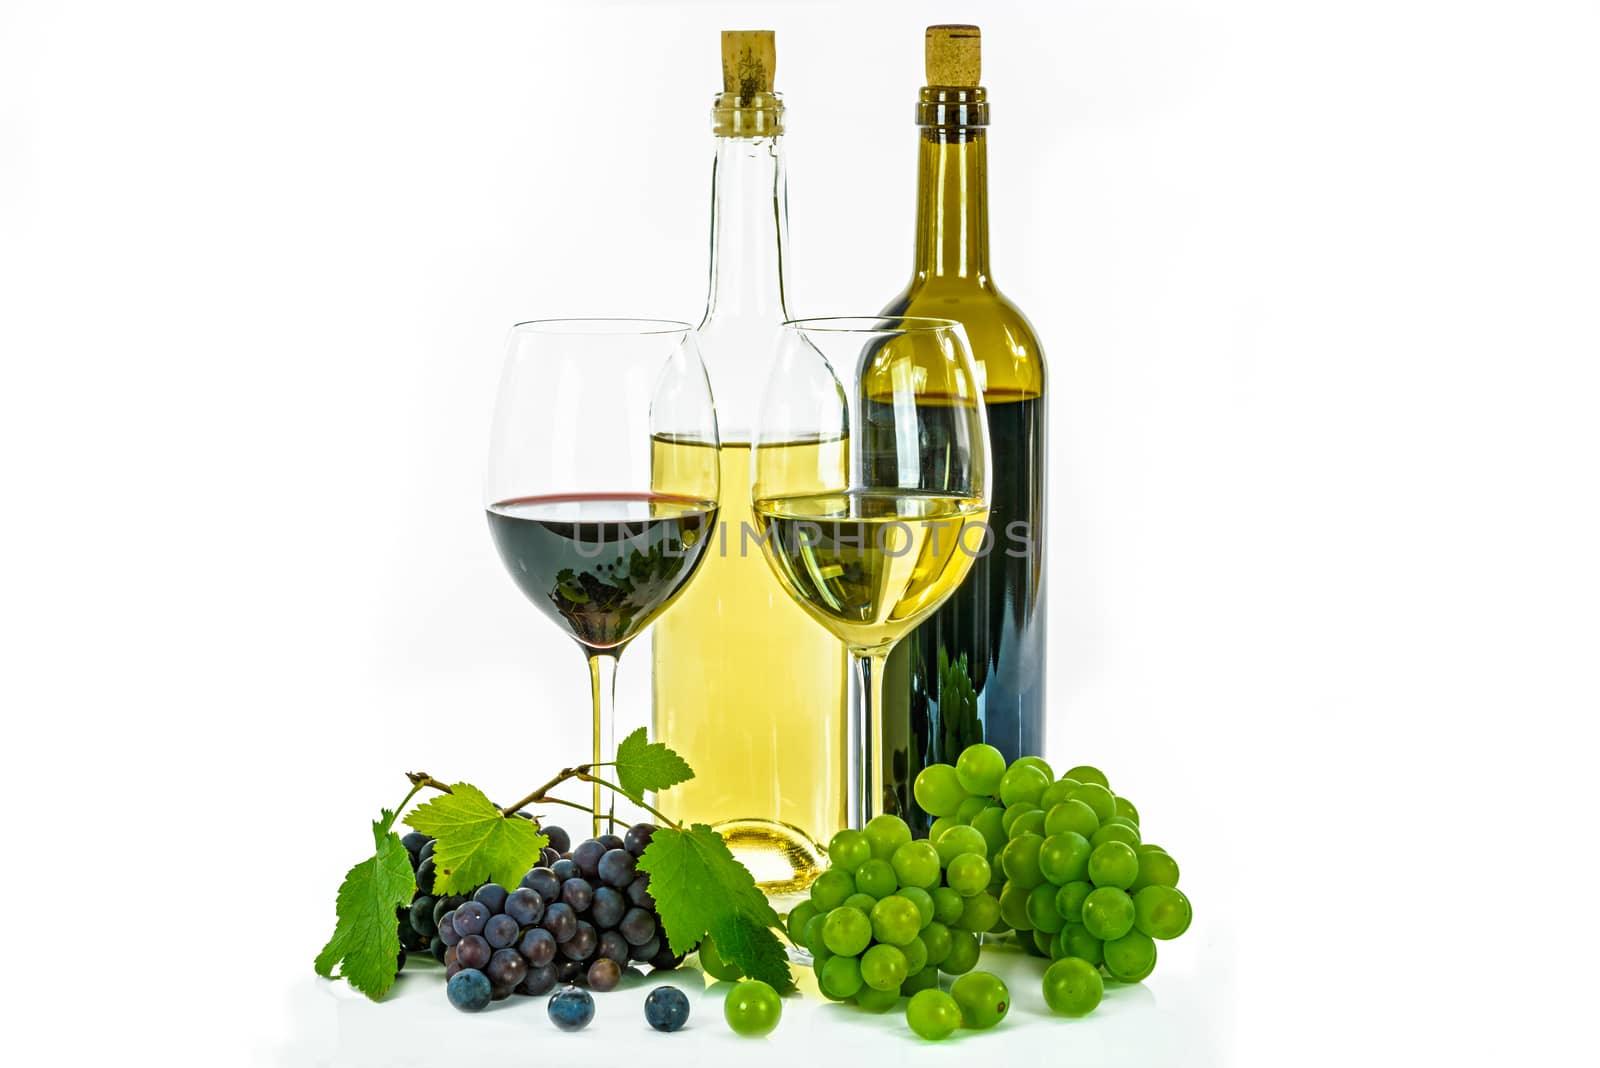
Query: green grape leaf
[[366, 936], [701, 889], [475, 843], [643, 765]]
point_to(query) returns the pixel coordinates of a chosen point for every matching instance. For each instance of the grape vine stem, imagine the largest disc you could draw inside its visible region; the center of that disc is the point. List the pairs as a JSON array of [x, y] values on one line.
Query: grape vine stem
[[541, 795]]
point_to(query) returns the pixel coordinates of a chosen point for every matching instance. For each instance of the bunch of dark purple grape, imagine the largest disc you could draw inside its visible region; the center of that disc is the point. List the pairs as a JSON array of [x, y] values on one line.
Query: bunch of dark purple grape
[[417, 920], [578, 917]]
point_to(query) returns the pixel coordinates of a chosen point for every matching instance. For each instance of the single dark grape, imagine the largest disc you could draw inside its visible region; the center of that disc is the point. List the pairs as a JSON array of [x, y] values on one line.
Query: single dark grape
[[447, 928], [582, 944], [442, 905], [578, 893], [452, 969], [571, 1009], [538, 946], [449, 955], [525, 906], [604, 974], [470, 918], [637, 926], [610, 841], [474, 951], [666, 960], [564, 869], [613, 945], [647, 952], [639, 891], [666, 1008], [506, 968], [616, 867], [541, 979], [426, 852], [437, 947], [560, 840], [501, 931], [637, 838], [608, 907], [570, 971], [560, 920], [548, 856], [414, 841], [543, 882], [492, 896], [425, 876], [586, 855], [469, 990], [400, 960], [421, 917]]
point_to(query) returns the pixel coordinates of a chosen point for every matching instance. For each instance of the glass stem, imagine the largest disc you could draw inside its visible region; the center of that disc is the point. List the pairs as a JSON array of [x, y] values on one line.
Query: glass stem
[[603, 688], [866, 738]]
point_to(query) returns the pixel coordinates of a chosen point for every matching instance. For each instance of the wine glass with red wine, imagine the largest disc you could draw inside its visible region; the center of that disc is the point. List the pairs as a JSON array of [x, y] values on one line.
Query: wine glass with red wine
[[603, 485]]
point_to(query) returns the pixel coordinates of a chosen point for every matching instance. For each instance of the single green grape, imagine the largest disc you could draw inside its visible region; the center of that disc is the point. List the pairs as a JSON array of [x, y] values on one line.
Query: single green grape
[[1014, 907], [1041, 944], [840, 978], [1108, 913], [936, 940], [938, 790], [1022, 783], [1069, 900], [1072, 987], [861, 901], [1041, 909], [958, 840], [1020, 861], [885, 834], [979, 913], [917, 864], [798, 917], [1131, 957], [940, 825], [1076, 941], [814, 941], [1125, 808], [968, 874], [883, 967], [752, 1008], [877, 1000], [1088, 773], [829, 889], [963, 953], [1125, 821], [712, 964], [1064, 857], [1030, 822], [1113, 864], [932, 1014], [947, 905], [1056, 793], [971, 807], [979, 769], [1148, 847], [876, 877], [848, 850], [983, 998], [895, 920], [1162, 911], [846, 931], [991, 823], [920, 898], [1036, 762], [1125, 833], [1070, 815], [926, 979], [1155, 869], [1098, 798], [916, 952]]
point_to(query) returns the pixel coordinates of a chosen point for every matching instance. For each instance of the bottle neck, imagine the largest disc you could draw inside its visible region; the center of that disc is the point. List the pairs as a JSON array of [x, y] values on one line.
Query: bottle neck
[[749, 231], [953, 206]]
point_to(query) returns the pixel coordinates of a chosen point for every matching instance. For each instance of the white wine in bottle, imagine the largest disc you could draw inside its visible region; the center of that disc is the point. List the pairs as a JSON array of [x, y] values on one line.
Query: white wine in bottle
[[747, 687]]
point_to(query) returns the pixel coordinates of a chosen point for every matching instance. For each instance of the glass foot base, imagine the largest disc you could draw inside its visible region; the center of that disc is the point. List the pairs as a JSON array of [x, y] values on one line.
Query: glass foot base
[[783, 859]]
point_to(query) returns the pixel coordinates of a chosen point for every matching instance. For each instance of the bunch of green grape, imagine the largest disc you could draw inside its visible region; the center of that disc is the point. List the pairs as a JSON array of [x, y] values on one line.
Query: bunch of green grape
[[1075, 878], [890, 913]]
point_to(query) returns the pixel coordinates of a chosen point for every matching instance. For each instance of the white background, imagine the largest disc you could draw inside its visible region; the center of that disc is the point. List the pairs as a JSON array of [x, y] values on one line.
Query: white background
[[1317, 284]]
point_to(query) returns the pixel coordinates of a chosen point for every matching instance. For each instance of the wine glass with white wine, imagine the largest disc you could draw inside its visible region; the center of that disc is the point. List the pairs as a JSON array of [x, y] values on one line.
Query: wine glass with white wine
[[882, 528]]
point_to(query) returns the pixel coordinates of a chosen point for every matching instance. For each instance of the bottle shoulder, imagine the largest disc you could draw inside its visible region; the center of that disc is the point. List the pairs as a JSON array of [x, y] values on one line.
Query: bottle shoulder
[[1002, 339]]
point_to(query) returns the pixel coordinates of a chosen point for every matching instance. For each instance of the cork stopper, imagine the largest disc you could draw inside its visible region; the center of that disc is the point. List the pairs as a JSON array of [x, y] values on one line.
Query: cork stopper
[[952, 55], [749, 59]]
